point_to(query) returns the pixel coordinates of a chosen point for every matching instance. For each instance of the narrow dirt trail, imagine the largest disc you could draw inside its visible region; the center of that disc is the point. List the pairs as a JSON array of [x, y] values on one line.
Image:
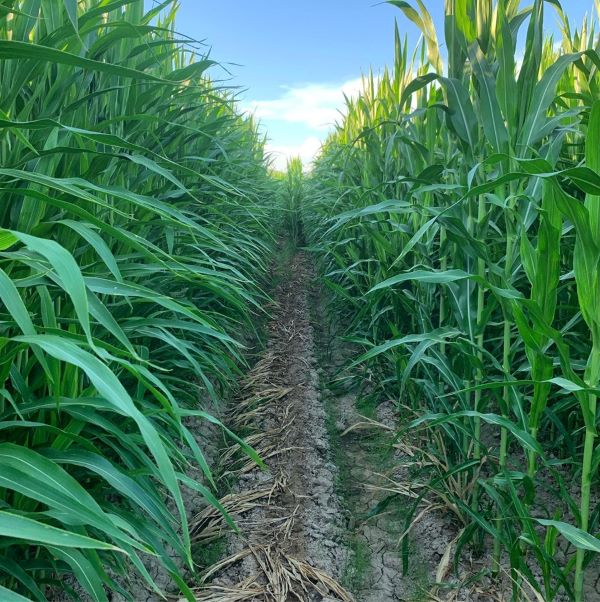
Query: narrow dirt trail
[[291, 541]]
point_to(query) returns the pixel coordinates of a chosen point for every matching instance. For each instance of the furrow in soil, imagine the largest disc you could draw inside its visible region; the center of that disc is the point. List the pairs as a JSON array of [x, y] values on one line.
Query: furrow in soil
[[290, 542]]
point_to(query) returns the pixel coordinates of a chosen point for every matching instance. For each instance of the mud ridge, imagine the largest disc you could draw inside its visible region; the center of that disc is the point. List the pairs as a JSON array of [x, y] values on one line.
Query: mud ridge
[[290, 545]]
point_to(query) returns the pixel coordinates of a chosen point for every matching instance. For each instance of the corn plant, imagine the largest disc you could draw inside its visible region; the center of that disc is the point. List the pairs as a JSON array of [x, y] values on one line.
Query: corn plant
[[293, 195], [457, 203], [133, 239]]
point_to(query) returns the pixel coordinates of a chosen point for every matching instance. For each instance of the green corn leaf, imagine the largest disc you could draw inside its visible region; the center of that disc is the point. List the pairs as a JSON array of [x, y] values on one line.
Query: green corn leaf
[[22, 528], [491, 117], [544, 94], [462, 114], [67, 270], [444, 277], [14, 303], [524, 438], [24, 50], [94, 239], [580, 539], [113, 391], [439, 335], [12, 596], [84, 572], [71, 9]]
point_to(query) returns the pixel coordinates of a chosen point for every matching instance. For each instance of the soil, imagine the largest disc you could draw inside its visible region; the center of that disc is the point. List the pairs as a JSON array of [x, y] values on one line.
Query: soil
[[290, 545], [374, 467], [307, 527]]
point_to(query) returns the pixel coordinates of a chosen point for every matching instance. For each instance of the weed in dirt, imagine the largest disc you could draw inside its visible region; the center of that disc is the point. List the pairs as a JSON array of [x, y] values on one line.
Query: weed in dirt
[[367, 405], [281, 269], [358, 568], [358, 565], [208, 554]]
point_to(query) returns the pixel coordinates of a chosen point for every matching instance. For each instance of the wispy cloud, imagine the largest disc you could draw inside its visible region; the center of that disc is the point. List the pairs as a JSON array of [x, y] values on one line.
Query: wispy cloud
[[313, 106], [317, 106]]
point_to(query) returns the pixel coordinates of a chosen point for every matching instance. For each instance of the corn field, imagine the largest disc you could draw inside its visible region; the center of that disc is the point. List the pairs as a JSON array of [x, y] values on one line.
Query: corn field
[[456, 210], [133, 246], [453, 215]]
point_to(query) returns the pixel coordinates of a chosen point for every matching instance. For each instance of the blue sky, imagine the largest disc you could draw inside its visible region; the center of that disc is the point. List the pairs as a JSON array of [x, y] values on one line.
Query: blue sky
[[292, 59]]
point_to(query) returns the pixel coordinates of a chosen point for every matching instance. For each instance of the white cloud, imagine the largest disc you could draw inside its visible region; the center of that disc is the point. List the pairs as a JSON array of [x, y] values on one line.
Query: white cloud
[[307, 151], [315, 105]]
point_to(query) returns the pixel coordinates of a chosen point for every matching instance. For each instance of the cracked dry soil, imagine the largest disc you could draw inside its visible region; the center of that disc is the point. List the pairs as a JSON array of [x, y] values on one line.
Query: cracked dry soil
[[290, 545]]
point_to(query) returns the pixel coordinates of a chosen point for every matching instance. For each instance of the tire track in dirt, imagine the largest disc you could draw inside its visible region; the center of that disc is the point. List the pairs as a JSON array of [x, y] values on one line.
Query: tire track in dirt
[[290, 543]]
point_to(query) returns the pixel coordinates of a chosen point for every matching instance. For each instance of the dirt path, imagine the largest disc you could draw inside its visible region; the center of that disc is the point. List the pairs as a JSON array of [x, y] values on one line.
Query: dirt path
[[317, 515], [306, 521], [290, 546]]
